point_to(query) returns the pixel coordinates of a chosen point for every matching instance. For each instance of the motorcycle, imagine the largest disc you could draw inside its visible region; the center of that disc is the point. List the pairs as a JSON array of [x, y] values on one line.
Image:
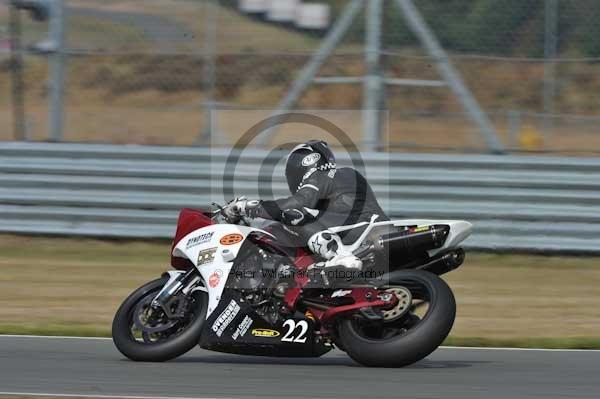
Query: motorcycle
[[238, 288]]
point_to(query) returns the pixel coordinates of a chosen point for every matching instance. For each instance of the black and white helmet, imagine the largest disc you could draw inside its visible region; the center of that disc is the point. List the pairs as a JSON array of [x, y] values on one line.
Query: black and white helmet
[[305, 159]]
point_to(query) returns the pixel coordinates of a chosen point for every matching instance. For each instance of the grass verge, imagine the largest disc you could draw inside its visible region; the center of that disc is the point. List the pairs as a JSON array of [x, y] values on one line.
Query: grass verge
[[60, 286], [542, 343]]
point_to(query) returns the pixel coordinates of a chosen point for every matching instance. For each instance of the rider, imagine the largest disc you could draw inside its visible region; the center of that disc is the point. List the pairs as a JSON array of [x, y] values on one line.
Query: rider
[[323, 196]]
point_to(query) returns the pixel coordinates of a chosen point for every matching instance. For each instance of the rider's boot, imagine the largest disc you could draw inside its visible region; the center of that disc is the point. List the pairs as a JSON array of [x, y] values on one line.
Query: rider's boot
[[339, 265]]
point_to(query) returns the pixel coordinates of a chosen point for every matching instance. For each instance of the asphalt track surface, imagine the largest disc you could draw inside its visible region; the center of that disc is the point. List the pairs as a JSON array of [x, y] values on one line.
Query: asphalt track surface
[[93, 367]]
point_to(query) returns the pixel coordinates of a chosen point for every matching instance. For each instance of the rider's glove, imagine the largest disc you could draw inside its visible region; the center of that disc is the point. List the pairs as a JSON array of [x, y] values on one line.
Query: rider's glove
[[235, 209], [252, 208], [241, 206]]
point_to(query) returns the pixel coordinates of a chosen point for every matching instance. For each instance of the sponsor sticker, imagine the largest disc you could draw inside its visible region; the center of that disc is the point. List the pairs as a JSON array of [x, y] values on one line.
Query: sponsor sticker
[[311, 159], [215, 278], [225, 318], [242, 329], [419, 229], [340, 293], [309, 173], [265, 333], [231, 239], [199, 240], [207, 256]]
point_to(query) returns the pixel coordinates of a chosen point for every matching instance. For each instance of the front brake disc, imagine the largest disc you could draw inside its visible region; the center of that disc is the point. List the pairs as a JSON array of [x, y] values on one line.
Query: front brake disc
[[142, 322]]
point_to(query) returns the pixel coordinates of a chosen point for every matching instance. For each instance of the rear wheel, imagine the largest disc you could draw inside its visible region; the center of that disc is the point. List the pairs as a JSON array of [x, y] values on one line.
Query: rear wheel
[[408, 333], [145, 334]]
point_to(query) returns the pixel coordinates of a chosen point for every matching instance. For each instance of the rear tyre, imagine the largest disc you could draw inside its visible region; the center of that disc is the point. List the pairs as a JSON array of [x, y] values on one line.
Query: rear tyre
[[174, 342], [403, 342]]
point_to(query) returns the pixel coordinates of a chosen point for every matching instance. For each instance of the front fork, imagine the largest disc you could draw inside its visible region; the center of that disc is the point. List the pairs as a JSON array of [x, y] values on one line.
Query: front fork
[[179, 286]]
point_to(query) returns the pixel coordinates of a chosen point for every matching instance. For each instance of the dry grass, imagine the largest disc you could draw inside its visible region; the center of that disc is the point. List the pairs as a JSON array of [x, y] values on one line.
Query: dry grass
[[61, 283], [137, 118], [157, 100], [74, 286], [242, 33], [502, 296]]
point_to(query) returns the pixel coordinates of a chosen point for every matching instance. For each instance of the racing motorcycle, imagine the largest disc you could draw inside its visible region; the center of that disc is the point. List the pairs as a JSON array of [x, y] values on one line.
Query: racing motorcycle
[[238, 288]]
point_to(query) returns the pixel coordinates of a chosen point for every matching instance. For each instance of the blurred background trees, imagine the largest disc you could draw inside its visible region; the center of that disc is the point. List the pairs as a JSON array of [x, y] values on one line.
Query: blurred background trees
[[507, 27]]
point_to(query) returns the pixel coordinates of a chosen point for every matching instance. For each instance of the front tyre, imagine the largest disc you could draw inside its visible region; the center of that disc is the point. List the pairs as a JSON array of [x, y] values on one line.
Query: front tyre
[[141, 334], [404, 340]]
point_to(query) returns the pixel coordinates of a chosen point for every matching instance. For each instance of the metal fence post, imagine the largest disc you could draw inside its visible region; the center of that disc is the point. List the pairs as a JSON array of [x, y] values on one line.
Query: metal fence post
[[550, 52], [440, 59], [373, 84], [209, 71], [57, 71], [18, 82]]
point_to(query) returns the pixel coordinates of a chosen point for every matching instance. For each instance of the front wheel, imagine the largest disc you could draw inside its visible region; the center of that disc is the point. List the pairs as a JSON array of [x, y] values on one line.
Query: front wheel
[[145, 334], [410, 332]]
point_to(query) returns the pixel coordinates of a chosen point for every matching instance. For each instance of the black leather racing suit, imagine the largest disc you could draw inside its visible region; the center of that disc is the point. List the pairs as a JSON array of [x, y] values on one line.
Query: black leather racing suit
[[341, 196]]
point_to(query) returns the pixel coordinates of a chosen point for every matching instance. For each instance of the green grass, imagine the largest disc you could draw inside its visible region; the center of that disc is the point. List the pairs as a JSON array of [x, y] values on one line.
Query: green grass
[[62, 286], [83, 32], [55, 330], [542, 343]]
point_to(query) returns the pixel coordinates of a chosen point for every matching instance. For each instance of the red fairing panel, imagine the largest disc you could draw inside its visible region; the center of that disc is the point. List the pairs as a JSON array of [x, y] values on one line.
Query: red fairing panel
[[189, 220]]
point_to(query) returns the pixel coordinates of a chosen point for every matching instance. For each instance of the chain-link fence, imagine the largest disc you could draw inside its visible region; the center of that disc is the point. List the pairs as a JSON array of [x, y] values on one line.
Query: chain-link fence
[[147, 71]]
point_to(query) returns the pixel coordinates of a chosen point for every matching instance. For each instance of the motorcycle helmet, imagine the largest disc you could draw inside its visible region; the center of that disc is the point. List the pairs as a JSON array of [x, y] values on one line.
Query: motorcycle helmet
[[304, 160]]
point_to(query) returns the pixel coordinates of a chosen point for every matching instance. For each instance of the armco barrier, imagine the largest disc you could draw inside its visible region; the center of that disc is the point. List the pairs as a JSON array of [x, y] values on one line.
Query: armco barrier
[[542, 204]]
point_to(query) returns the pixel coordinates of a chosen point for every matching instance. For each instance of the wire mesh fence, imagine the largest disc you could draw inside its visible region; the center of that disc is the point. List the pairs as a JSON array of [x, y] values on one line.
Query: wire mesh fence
[[145, 72]]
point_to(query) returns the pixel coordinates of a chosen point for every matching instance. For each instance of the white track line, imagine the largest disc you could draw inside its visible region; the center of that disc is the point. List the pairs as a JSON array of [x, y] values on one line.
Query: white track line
[[443, 347], [53, 337], [73, 395], [520, 349]]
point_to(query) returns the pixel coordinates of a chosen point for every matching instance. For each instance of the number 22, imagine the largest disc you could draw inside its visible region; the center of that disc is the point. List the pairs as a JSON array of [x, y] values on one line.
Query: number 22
[[291, 326]]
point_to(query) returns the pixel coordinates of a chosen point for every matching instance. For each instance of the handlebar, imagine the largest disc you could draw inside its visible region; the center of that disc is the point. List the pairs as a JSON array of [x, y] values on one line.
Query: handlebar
[[221, 211]]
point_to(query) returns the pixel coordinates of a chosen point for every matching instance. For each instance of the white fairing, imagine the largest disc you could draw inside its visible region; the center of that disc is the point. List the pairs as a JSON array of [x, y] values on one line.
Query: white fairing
[[459, 231], [217, 257], [214, 270]]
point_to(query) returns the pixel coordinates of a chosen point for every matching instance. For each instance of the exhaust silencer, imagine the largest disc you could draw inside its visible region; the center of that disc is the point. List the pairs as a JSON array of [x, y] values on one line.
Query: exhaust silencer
[[445, 263], [413, 241]]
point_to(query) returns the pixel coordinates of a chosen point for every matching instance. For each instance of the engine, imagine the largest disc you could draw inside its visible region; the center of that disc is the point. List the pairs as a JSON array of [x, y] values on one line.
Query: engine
[[261, 277]]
